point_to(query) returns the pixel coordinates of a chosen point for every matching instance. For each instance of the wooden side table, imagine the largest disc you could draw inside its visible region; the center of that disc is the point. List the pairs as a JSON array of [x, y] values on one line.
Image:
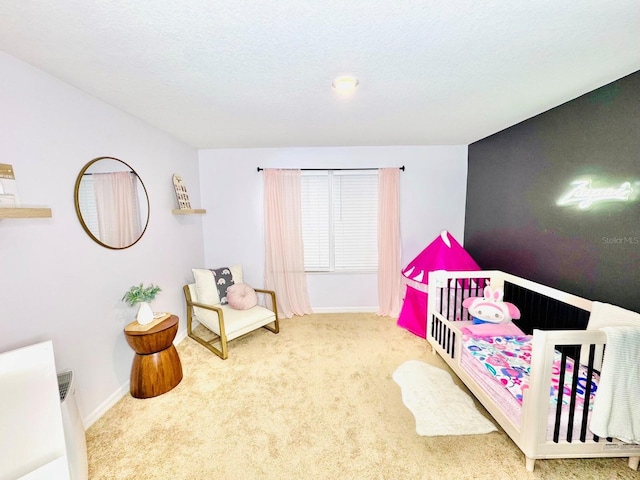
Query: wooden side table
[[156, 366]]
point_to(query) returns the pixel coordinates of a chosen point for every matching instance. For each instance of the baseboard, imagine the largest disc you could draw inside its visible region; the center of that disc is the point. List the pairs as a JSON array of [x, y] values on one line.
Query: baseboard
[[121, 392], [180, 336], [345, 309], [105, 406]]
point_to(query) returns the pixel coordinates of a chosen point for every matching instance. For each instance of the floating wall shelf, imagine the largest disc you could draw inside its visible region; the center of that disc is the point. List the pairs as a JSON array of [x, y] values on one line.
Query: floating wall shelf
[[188, 211], [25, 212]]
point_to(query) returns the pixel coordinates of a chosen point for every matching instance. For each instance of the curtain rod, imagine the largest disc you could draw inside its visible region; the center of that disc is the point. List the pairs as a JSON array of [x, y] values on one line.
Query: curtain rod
[[325, 169], [93, 173]]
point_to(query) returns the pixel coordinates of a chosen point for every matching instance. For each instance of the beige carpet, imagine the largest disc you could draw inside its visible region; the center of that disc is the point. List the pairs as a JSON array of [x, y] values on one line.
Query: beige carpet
[[316, 401]]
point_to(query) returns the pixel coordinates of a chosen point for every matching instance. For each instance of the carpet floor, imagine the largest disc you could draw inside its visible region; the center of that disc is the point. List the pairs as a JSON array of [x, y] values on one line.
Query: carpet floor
[[316, 401]]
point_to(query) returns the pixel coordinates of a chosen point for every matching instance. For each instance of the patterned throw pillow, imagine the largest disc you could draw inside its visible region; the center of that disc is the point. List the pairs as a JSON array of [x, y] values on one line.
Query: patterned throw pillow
[[224, 279]]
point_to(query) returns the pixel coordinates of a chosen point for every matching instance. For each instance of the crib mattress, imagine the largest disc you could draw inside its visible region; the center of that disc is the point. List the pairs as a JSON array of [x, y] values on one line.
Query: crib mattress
[[501, 366]]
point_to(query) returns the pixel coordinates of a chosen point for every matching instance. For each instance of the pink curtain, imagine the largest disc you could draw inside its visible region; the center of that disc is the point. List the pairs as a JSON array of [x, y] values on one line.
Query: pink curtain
[[284, 250], [118, 208], [389, 248]]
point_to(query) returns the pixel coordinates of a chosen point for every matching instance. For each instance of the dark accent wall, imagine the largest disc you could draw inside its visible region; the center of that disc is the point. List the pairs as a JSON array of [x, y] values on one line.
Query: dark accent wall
[[516, 177]]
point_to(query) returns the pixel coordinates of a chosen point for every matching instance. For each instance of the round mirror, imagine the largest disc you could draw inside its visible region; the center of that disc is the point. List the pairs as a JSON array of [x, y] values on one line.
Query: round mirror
[[111, 202]]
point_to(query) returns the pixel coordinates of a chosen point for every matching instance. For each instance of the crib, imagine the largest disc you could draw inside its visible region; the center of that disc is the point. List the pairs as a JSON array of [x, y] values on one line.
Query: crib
[[563, 354]]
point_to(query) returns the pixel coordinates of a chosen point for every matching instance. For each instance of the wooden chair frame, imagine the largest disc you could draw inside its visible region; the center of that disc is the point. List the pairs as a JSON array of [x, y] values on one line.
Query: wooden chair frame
[[223, 351]]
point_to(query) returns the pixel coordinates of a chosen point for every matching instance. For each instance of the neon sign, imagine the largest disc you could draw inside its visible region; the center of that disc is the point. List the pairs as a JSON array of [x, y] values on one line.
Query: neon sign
[[584, 195]]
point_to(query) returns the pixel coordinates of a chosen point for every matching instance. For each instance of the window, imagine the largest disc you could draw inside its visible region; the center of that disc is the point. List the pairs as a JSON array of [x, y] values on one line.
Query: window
[[87, 205], [340, 220]]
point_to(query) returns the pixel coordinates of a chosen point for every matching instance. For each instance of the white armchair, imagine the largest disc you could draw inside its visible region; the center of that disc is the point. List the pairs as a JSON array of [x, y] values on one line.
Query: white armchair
[[205, 305]]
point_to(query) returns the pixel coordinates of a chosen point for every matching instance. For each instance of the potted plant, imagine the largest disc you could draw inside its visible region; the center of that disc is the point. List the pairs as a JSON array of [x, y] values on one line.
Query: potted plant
[[142, 295]]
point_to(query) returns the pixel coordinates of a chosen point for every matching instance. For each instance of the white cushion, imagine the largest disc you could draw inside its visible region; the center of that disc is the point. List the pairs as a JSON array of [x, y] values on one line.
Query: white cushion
[[236, 322], [206, 288]]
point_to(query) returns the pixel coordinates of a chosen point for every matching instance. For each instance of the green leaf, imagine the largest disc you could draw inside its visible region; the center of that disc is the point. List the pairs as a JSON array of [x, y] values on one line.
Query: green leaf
[[140, 293]]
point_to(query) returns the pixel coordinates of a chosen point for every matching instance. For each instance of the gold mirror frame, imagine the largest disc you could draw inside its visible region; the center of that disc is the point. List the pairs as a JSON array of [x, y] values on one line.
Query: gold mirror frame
[[79, 212]]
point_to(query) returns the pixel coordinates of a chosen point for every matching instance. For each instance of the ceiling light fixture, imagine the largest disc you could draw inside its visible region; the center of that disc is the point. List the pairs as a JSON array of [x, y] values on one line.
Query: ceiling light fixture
[[345, 83]]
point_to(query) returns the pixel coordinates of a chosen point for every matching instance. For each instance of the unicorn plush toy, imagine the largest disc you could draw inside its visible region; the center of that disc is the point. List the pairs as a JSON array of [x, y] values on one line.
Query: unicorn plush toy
[[491, 308]]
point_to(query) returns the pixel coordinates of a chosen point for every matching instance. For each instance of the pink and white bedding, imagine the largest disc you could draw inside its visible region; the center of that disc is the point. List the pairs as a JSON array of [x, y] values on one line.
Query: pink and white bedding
[[507, 359], [492, 330], [501, 365]]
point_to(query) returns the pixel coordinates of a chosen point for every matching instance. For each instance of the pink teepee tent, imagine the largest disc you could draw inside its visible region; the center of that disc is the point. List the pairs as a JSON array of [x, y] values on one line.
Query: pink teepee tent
[[444, 253]]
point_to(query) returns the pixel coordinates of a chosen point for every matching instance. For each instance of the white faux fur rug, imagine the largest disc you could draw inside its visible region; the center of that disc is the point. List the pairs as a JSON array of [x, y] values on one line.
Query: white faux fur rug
[[439, 406]]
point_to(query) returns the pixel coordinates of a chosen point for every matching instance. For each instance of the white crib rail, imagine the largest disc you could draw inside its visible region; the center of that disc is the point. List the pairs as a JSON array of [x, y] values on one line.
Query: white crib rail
[[531, 436]]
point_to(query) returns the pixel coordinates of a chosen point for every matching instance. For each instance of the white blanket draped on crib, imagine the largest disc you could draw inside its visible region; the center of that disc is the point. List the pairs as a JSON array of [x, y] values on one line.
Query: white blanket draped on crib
[[616, 409], [607, 315]]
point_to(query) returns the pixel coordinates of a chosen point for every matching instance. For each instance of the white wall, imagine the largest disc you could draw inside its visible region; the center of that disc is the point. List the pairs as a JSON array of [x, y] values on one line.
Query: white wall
[[433, 195], [55, 282]]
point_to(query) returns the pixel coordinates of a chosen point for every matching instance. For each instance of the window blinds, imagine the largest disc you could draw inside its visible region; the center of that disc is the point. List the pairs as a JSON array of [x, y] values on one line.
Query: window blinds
[[340, 220], [87, 203]]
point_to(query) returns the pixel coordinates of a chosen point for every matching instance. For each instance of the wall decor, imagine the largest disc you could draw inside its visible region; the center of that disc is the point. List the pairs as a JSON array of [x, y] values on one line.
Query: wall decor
[[181, 192], [8, 187], [111, 203], [584, 195]]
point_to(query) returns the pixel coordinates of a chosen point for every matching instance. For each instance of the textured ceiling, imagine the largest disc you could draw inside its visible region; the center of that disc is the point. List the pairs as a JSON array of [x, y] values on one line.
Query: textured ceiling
[[244, 73]]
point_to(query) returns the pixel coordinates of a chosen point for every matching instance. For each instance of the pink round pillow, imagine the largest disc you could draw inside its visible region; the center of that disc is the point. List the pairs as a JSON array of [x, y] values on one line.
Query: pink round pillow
[[241, 296]]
